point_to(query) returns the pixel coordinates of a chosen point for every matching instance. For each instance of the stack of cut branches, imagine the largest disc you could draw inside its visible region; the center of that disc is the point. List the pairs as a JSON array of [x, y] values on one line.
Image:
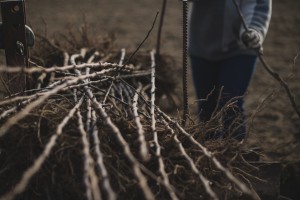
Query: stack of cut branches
[[90, 129]]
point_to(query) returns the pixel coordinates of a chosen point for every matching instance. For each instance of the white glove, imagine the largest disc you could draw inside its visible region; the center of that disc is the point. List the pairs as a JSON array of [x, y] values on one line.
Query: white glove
[[252, 39]]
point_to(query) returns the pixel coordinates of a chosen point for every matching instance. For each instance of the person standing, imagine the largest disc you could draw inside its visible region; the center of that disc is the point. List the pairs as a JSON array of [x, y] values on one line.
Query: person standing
[[223, 56]]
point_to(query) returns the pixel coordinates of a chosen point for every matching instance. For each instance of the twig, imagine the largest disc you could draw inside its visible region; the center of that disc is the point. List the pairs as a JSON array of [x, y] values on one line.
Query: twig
[[90, 177], [108, 91], [101, 65], [131, 56], [143, 145], [89, 108], [209, 154], [41, 80], [218, 101], [277, 77], [249, 175], [32, 170], [66, 58], [126, 91], [162, 170], [24, 112], [90, 174], [123, 53], [86, 176], [142, 180], [104, 174], [274, 74], [90, 60], [136, 169], [192, 165], [15, 108]]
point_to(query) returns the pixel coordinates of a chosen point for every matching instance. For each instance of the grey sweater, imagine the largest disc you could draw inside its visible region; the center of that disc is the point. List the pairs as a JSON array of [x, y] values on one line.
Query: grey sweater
[[215, 27]]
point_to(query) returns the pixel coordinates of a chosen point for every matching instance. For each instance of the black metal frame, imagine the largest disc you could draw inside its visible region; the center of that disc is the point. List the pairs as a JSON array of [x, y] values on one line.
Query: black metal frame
[[14, 41]]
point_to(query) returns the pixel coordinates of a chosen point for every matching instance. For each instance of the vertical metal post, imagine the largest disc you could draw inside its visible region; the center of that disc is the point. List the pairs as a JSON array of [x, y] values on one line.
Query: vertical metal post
[[14, 40], [162, 16], [185, 61]]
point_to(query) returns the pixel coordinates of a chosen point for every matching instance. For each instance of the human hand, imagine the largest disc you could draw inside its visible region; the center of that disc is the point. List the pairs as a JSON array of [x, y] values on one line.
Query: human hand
[[252, 39]]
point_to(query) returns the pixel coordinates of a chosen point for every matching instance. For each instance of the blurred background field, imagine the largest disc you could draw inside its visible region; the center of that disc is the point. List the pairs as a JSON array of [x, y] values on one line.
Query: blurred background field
[[274, 125]]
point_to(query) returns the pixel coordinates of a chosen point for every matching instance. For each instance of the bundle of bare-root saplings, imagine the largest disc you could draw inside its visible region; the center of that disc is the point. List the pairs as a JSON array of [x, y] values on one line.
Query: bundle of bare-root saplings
[[89, 128]]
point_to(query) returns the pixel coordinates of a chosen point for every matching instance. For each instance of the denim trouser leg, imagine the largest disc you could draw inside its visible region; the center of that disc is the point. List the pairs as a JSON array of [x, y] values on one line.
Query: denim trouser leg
[[234, 75], [204, 78]]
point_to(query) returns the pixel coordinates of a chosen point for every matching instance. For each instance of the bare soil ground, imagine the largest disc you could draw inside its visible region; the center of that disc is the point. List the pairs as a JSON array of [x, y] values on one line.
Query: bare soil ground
[[275, 127]]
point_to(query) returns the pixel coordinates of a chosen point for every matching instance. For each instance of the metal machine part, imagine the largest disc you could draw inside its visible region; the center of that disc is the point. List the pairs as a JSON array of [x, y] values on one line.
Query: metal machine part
[[14, 41], [184, 60]]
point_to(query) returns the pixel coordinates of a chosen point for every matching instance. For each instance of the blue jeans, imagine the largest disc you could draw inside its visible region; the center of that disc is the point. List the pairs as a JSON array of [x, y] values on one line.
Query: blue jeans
[[229, 80]]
